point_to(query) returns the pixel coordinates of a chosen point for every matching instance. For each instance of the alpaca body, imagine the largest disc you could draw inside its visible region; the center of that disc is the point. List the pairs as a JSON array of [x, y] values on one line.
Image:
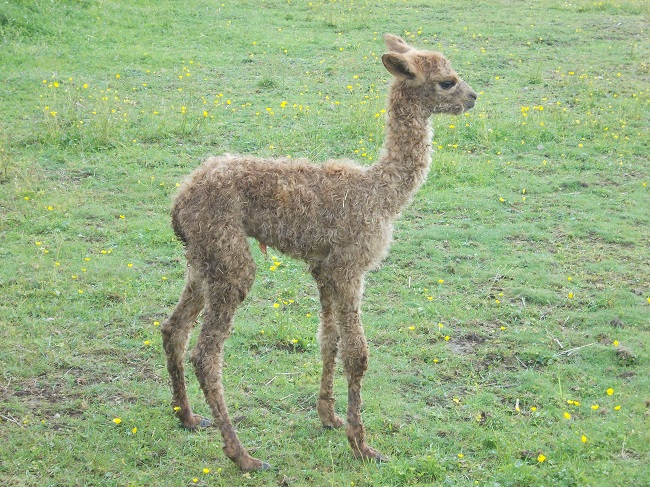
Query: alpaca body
[[337, 217], [302, 210]]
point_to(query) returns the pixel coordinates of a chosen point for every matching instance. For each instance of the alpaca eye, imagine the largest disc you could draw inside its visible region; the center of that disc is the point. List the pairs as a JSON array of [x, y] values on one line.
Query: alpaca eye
[[447, 85]]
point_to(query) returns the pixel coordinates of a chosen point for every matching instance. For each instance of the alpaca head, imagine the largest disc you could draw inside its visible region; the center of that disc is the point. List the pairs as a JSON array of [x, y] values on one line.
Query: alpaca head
[[428, 77]]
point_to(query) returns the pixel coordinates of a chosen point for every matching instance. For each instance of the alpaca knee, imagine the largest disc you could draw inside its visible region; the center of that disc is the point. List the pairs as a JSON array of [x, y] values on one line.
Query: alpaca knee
[[355, 359]]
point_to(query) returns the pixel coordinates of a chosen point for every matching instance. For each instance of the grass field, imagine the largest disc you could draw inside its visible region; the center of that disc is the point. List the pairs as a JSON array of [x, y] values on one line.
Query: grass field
[[509, 328]]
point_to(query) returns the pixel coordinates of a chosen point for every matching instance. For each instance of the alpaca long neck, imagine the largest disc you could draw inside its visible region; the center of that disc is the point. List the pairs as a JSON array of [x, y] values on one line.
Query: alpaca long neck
[[406, 155]]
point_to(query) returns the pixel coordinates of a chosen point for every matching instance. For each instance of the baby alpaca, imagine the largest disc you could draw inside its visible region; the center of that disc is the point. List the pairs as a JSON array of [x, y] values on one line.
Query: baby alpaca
[[336, 217]]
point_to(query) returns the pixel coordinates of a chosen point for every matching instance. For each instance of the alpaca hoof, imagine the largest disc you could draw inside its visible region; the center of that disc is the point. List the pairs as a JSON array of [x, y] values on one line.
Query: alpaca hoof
[[253, 465], [333, 423], [197, 422], [368, 454]]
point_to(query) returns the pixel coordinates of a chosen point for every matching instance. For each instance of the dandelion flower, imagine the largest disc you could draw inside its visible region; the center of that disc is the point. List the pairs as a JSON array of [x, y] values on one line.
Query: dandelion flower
[[117, 420], [134, 430], [541, 458], [595, 407], [567, 415], [615, 343], [276, 305], [583, 439], [617, 408], [206, 470], [610, 391]]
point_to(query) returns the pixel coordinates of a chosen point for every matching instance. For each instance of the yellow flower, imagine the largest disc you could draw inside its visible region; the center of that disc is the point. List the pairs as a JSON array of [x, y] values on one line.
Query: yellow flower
[[440, 281], [583, 439], [276, 305], [541, 458], [533, 408], [615, 343], [447, 338], [411, 328], [134, 430], [206, 470], [610, 391], [460, 455], [617, 408], [567, 415], [117, 420], [570, 295]]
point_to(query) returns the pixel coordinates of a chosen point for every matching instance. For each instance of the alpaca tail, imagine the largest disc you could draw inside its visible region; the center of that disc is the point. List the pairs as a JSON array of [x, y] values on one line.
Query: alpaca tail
[[176, 224]]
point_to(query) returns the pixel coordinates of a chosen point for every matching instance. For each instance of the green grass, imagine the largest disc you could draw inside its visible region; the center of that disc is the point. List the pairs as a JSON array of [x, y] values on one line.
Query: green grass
[[518, 284]]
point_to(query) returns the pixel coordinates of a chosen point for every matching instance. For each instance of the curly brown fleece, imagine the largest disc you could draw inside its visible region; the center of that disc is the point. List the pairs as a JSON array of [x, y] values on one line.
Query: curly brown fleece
[[337, 217]]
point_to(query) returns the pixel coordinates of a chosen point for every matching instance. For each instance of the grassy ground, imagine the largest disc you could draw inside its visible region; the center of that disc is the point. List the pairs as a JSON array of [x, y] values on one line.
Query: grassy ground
[[509, 327]]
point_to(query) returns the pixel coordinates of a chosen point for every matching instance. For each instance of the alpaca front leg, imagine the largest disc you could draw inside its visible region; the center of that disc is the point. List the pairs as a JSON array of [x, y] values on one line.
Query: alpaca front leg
[[175, 333], [328, 338], [354, 353]]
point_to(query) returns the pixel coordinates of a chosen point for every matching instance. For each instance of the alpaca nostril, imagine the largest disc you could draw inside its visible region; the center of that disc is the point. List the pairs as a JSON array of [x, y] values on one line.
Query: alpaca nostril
[[473, 95]]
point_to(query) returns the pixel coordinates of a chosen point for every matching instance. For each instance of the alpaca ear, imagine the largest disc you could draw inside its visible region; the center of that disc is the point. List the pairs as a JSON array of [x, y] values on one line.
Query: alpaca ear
[[397, 65], [396, 44]]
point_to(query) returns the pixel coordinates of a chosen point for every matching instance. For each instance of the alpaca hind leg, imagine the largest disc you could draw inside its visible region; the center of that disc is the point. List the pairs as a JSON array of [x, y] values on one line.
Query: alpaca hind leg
[[175, 333], [328, 338], [225, 289]]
